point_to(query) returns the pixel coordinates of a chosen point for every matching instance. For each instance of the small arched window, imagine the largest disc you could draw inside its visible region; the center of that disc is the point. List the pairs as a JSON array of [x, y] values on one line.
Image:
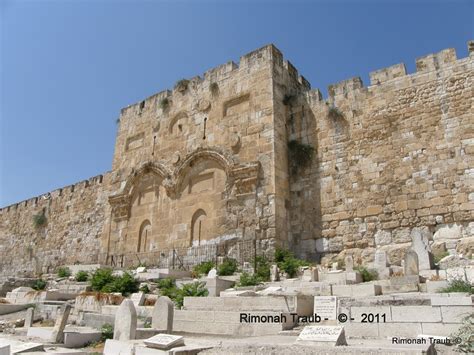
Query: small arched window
[[198, 227], [144, 236]]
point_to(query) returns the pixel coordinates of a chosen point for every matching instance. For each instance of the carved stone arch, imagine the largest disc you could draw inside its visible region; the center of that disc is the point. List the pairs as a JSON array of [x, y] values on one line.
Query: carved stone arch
[[224, 160], [155, 168], [179, 116]]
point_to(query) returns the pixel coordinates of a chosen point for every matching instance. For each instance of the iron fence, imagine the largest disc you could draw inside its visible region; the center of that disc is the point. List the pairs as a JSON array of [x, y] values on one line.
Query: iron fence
[[244, 252]]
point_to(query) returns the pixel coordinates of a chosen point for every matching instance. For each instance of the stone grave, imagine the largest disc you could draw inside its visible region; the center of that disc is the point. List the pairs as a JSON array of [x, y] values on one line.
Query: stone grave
[[349, 262], [125, 325], [138, 298], [326, 307], [163, 314], [381, 265], [164, 341], [420, 245], [29, 317], [323, 335], [57, 335], [410, 263], [274, 273]]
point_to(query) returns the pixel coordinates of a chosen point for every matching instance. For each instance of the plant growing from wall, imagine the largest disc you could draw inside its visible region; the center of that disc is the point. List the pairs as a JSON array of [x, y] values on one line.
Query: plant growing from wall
[[299, 155], [39, 219], [335, 114], [165, 103], [288, 99], [214, 89], [182, 85]]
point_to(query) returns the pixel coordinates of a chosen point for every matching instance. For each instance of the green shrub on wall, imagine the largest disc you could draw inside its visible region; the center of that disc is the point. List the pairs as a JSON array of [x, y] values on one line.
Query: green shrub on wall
[[299, 155], [40, 220]]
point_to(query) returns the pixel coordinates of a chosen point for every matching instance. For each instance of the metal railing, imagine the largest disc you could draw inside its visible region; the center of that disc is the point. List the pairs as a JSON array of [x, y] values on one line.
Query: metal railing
[[185, 258]]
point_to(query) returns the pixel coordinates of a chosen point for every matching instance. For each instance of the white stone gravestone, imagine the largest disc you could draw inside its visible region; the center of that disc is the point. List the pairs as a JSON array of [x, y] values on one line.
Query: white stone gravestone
[[29, 317], [410, 265], [212, 273], [164, 341], [125, 325], [57, 334], [380, 265], [138, 298], [420, 244], [163, 313], [349, 262], [323, 335], [325, 307]]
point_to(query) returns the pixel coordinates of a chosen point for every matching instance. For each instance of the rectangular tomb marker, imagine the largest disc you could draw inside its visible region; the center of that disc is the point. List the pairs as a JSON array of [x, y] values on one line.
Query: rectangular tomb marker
[[326, 307]]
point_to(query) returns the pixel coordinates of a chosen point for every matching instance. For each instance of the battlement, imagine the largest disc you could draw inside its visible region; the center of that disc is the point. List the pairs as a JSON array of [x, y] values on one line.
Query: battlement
[[426, 64], [57, 193], [247, 62]]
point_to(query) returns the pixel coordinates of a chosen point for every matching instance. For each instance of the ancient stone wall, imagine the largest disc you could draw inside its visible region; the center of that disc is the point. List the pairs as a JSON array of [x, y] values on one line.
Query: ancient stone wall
[[249, 151], [69, 233], [390, 158]]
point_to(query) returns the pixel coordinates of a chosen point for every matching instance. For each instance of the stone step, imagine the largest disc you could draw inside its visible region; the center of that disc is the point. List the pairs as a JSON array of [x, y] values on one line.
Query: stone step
[[258, 303], [227, 323]]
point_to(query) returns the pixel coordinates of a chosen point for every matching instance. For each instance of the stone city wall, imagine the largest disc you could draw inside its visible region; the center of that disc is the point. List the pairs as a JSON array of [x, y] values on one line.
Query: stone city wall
[[70, 232], [390, 158]]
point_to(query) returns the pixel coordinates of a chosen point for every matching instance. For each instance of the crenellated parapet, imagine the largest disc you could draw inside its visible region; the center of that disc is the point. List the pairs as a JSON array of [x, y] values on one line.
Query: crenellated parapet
[[69, 192]]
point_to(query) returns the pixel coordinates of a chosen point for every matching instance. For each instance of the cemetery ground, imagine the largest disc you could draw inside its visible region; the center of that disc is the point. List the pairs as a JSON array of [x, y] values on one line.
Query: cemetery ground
[[280, 305]]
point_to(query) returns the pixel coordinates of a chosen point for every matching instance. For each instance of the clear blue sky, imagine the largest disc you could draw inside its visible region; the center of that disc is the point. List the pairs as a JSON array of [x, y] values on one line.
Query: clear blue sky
[[68, 67]]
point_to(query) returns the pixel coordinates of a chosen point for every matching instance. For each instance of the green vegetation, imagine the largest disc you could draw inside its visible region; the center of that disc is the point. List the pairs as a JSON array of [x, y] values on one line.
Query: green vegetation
[[228, 267], [214, 89], [288, 99], [104, 281], [247, 279], [263, 268], [165, 103], [335, 114], [367, 275], [299, 154], [466, 334], [168, 288], [40, 220], [64, 272], [107, 331], [203, 268], [287, 262], [182, 85], [458, 285], [39, 285], [144, 289], [82, 276]]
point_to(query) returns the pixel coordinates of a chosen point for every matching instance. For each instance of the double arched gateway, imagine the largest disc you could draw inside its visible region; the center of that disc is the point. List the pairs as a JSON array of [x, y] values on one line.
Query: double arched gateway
[[160, 208]]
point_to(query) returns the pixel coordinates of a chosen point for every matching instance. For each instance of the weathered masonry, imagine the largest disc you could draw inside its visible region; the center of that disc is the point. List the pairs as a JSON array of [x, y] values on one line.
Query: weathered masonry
[[251, 152]]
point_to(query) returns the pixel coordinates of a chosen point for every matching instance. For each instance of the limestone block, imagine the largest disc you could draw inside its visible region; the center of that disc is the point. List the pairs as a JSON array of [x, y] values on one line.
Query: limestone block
[[435, 286], [455, 314], [423, 314], [451, 301]]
